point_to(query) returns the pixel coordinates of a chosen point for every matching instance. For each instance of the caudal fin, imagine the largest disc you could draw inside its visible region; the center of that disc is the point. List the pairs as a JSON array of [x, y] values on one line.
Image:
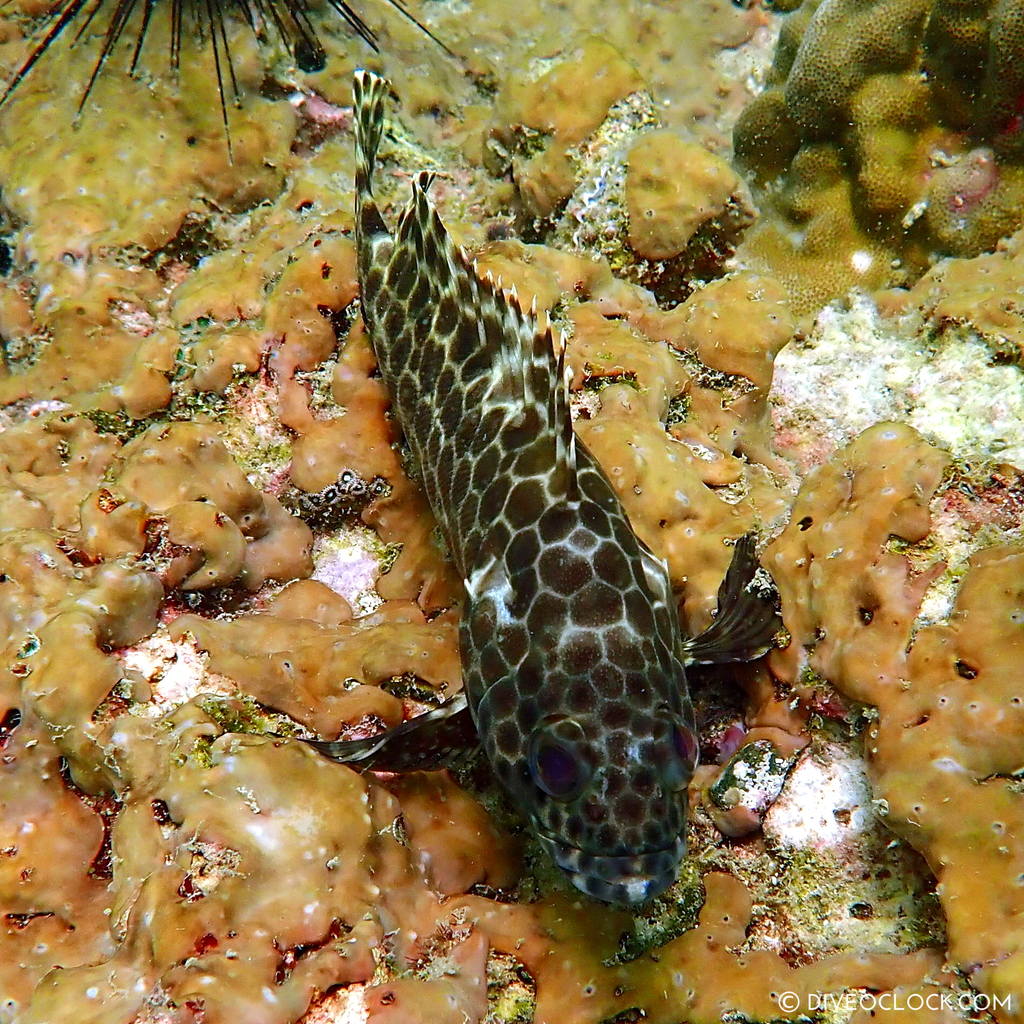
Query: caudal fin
[[369, 92], [747, 621]]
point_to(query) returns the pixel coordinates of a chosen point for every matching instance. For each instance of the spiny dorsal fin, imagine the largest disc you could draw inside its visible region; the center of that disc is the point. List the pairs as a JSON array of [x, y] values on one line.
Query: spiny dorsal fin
[[561, 413], [530, 350]]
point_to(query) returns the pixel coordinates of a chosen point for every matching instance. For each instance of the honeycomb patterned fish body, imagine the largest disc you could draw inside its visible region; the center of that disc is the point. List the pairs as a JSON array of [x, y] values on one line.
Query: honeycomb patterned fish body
[[571, 650]]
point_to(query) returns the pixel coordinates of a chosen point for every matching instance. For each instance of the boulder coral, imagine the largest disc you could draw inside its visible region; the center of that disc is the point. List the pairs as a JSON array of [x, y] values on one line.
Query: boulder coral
[[946, 744], [888, 134]]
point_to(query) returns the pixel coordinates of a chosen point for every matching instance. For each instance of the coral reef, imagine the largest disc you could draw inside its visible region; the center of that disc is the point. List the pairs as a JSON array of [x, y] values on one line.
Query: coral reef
[[888, 133], [945, 743], [210, 543], [664, 210], [979, 294]]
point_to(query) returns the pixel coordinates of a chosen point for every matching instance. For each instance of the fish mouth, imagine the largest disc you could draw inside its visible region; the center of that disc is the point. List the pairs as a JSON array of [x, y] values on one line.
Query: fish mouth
[[630, 879]]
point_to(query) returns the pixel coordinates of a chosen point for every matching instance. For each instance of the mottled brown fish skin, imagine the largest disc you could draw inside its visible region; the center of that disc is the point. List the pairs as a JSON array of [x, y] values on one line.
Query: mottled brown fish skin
[[571, 650]]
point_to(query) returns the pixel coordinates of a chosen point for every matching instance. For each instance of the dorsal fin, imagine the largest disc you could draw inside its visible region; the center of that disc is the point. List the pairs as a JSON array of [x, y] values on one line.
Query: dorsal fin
[[560, 408], [475, 382]]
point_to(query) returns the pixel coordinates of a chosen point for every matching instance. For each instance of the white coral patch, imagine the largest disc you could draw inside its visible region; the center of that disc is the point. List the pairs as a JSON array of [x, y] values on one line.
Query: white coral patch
[[861, 261], [825, 803], [175, 671], [349, 563], [856, 369], [345, 1006]]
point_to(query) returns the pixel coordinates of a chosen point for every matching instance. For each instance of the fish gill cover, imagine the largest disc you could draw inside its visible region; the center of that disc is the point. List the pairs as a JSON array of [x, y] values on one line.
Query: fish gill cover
[[208, 535]]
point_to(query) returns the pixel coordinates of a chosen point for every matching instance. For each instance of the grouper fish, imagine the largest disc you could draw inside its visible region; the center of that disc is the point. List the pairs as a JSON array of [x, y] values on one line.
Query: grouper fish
[[572, 654]]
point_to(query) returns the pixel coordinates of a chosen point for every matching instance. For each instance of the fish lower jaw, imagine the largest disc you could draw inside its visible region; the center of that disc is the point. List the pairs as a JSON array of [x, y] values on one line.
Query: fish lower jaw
[[623, 879]]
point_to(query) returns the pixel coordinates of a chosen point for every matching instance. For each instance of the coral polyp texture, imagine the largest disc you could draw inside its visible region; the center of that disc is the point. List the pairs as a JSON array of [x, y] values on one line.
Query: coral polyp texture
[[889, 133], [212, 544]]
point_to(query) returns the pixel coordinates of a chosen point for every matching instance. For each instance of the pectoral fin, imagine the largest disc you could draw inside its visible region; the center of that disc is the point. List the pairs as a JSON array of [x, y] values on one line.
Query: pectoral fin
[[747, 621], [440, 738]]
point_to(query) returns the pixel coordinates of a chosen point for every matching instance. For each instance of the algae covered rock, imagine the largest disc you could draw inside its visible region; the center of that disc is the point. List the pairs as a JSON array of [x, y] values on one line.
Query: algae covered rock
[[673, 188], [747, 786], [538, 120]]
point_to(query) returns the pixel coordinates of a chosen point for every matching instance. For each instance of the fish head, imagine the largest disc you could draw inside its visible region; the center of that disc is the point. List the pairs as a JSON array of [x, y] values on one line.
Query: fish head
[[601, 779]]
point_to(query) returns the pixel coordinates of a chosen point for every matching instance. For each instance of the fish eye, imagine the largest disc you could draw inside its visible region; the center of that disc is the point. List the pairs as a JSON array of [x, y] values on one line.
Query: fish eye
[[556, 759], [687, 751]]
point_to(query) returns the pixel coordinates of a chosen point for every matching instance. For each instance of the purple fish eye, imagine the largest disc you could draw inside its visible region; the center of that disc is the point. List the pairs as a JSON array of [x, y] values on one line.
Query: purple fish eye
[[557, 764], [685, 742], [557, 771], [678, 748]]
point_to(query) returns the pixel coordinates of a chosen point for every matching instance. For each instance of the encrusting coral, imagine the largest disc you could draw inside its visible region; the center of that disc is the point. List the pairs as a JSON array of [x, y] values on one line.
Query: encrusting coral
[[947, 739], [665, 210], [195, 440]]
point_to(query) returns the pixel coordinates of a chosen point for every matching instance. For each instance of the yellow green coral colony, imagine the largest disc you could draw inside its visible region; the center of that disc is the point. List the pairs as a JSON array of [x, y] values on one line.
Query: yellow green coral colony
[[888, 134], [200, 485]]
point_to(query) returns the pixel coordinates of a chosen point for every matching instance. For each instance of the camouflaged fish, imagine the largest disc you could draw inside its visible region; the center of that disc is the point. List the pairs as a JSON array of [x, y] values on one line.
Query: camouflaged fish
[[572, 656]]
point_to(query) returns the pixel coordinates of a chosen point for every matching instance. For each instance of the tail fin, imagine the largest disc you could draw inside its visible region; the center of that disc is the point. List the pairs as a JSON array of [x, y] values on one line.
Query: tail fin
[[369, 91], [747, 620]]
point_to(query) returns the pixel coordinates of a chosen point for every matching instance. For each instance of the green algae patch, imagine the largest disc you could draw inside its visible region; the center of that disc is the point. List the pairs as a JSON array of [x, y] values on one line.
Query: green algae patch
[[511, 992], [665, 918], [242, 714]]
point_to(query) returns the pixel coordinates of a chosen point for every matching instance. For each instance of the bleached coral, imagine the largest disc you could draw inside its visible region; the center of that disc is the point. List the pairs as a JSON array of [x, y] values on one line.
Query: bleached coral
[[946, 386]]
